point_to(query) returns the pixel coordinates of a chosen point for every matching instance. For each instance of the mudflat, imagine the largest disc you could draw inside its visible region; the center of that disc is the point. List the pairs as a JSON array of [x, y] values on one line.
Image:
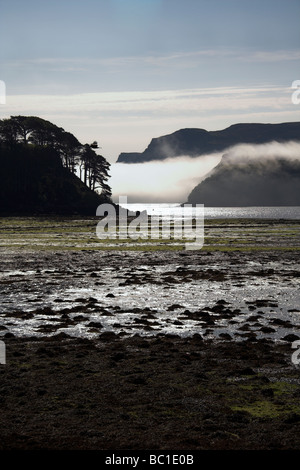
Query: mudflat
[[138, 348]]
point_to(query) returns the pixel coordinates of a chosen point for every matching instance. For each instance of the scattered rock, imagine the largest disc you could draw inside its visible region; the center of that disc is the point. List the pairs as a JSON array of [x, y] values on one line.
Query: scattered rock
[[226, 336], [174, 307], [267, 329], [246, 371], [108, 336], [293, 418], [290, 338], [94, 324]]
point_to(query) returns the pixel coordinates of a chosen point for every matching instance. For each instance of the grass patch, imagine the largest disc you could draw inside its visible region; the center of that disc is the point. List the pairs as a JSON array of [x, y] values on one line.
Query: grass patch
[[267, 409], [282, 401], [224, 235], [249, 248]]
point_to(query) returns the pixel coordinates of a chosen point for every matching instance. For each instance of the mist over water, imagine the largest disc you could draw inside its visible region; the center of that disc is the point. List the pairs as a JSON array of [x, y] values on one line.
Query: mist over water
[[170, 180], [269, 152]]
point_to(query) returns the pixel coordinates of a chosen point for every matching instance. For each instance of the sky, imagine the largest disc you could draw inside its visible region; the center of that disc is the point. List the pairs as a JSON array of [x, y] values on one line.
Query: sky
[[124, 71]]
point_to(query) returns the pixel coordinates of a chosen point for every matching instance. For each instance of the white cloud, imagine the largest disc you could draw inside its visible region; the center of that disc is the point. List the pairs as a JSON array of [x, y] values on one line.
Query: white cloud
[[273, 56], [188, 58], [202, 99], [126, 121]]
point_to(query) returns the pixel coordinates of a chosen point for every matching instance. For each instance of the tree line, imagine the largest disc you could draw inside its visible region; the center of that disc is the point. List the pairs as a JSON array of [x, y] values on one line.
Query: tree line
[[81, 159]]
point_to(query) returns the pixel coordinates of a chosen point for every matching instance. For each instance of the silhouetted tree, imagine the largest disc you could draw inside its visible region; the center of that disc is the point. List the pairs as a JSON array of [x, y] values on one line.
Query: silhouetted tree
[[44, 133], [32, 132], [8, 133], [70, 150], [94, 170], [24, 126], [94, 145]]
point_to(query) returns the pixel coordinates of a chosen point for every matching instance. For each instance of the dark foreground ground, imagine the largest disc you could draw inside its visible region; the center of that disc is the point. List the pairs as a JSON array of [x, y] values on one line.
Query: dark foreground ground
[[139, 394], [128, 388]]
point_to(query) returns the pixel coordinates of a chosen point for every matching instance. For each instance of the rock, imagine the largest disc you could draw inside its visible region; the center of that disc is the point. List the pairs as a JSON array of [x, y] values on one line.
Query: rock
[[108, 336], [290, 338], [174, 307], [225, 335], [246, 371], [44, 352], [138, 380], [9, 335], [292, 418], [197, 337], [268, 392], [94, 324], [118, 356], [267, 329]]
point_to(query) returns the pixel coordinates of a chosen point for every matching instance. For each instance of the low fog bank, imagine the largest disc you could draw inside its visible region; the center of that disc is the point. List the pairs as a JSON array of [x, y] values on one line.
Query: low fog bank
[[253, 175], [168, 181], [269, 152], [173, 179]]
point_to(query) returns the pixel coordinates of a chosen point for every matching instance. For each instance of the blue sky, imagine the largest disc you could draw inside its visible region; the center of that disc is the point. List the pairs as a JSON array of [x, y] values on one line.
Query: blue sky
[[124, 71]]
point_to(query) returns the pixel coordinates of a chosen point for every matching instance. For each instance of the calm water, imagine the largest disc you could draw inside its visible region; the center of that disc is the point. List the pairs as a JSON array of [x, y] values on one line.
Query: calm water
[[253, 212], [223, 212]]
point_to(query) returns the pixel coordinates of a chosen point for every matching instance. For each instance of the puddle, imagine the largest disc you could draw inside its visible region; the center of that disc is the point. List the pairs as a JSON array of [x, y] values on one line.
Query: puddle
[[87, 294]]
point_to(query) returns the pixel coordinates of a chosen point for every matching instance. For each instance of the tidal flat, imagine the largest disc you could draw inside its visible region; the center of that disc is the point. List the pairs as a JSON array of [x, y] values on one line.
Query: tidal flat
[[122, 344]]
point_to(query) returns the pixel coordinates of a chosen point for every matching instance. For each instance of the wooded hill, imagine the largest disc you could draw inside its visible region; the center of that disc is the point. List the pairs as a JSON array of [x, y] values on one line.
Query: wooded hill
[[46, 170]]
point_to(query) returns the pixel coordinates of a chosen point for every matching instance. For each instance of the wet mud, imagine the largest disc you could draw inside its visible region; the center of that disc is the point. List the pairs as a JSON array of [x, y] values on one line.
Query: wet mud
[[150, 349]]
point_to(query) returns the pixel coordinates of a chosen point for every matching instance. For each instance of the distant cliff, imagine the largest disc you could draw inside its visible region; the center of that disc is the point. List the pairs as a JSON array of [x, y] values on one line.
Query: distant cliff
[[250, 182], [195, 142]]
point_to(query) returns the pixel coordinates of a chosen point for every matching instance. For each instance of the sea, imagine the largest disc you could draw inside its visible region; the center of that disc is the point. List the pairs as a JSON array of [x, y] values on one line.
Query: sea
[[256, 212]]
